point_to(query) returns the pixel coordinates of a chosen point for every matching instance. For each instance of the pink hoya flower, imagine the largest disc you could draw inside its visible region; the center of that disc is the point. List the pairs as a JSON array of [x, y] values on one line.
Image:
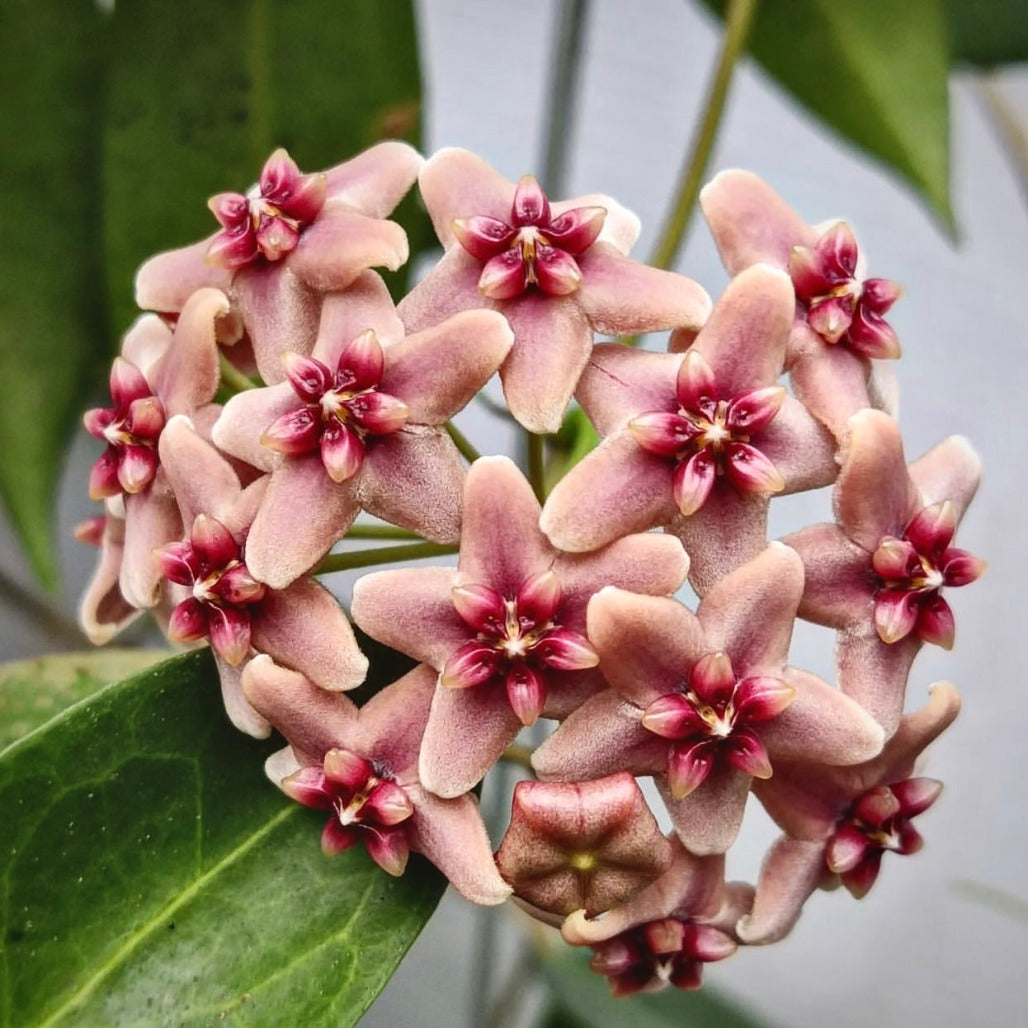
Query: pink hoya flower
[[557, 271], [705, 702], [506, 629], [877, 575], [301, 626], [663, 934], [840, 321], [696, 443], [103, 610], [356, 425], [361, 765], [287, 240], [160, 373], [580, 845], [840, 821]]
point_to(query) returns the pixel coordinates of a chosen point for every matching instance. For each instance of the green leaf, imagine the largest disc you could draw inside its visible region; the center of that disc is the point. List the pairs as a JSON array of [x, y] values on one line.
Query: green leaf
[[988, 32], [874, 72], [52, 322], [152, 875], [36, 690], [582, 999], [200, 98]]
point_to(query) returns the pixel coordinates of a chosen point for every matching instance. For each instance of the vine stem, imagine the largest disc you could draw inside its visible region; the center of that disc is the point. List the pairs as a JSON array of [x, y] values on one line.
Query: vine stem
[[231, 377], [536, 446], [382, 555], [467, 451], [738, 22]]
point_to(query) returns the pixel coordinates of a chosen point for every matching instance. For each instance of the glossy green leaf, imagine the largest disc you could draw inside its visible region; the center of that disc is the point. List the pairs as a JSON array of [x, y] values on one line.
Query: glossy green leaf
[[201, 93], [52, 324], [874, 72], [988, 32], [581, 999], [154, 877], [34, 691]]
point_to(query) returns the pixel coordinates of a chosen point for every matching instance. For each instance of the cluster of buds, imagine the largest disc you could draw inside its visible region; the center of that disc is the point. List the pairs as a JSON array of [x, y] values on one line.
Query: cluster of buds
[[219, 516]]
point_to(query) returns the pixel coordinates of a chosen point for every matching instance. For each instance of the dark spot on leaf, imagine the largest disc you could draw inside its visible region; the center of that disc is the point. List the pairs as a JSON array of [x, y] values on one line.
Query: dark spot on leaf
[[15, 935]]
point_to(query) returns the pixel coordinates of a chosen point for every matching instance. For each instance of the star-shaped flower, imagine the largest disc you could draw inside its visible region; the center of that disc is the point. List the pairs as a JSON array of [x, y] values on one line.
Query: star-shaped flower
[[356, 425], [301, 626], [841, 820], [287, 240], [878, 573], [557, 271], [705, 702], [697, 443], [506, 629], [580, 845], [840, 322], [362, 766]]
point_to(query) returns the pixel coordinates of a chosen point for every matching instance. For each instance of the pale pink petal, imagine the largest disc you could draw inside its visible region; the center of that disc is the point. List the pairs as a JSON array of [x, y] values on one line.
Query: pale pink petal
[[166, 281], [874, 496], [451, 834], [821, 724], [451, 286], [146, 342], [622, 297], [103, 610], [282, 546], [437, 372], [617, 489], [238, 708], [345, 316], [647, 644], [729, 529], [949, 471], [552, 342], [335, 249], [801, 449], [393, 721], [376, 180], [791, 871], [410, 609], [247, 416], [745, 337], [874, 673], [619, 383], [707, 820], [414, 478], [467, 731], [304, 628]]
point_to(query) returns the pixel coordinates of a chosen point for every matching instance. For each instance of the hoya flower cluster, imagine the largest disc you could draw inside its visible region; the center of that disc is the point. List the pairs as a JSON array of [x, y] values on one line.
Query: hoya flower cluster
[[333, 402]]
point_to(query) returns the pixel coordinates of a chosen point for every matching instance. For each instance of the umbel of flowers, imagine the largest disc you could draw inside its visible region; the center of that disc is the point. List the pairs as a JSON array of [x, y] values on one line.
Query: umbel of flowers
[[561, 606]]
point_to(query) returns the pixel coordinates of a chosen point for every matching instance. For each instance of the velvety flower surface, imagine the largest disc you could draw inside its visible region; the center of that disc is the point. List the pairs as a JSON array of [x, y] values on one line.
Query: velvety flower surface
[[705, 702], [506, 629], [696, 443], [301, 626], [877, 574], [103, 610], [557, 271], [842, 820], [355, 425], [160, 373], [287, 240], [580, 845], [840, 320], [362, 766]]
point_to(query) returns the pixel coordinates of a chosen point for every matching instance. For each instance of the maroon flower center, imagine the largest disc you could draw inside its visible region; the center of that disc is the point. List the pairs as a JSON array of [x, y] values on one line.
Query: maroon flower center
[[130, 428], [266, 223], [839, 308], [660, 953], [367, 806], [912, 571], [713, 718], [340, 409], [709, 436], [210, 564], [518, 639], [877, 822], [535, 249]]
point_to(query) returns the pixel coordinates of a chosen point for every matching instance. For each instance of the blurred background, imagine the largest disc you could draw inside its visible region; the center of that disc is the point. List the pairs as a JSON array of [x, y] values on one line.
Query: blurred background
[[942, 937]]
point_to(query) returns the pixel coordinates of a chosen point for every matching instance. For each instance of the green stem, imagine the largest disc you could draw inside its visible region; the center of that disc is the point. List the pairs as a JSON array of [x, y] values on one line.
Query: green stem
[[380, 532], [231, 377], [515, 753], [382, 555], [1012, 135], [536, 446], [563, 91], [468, 452], [738, 22]]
